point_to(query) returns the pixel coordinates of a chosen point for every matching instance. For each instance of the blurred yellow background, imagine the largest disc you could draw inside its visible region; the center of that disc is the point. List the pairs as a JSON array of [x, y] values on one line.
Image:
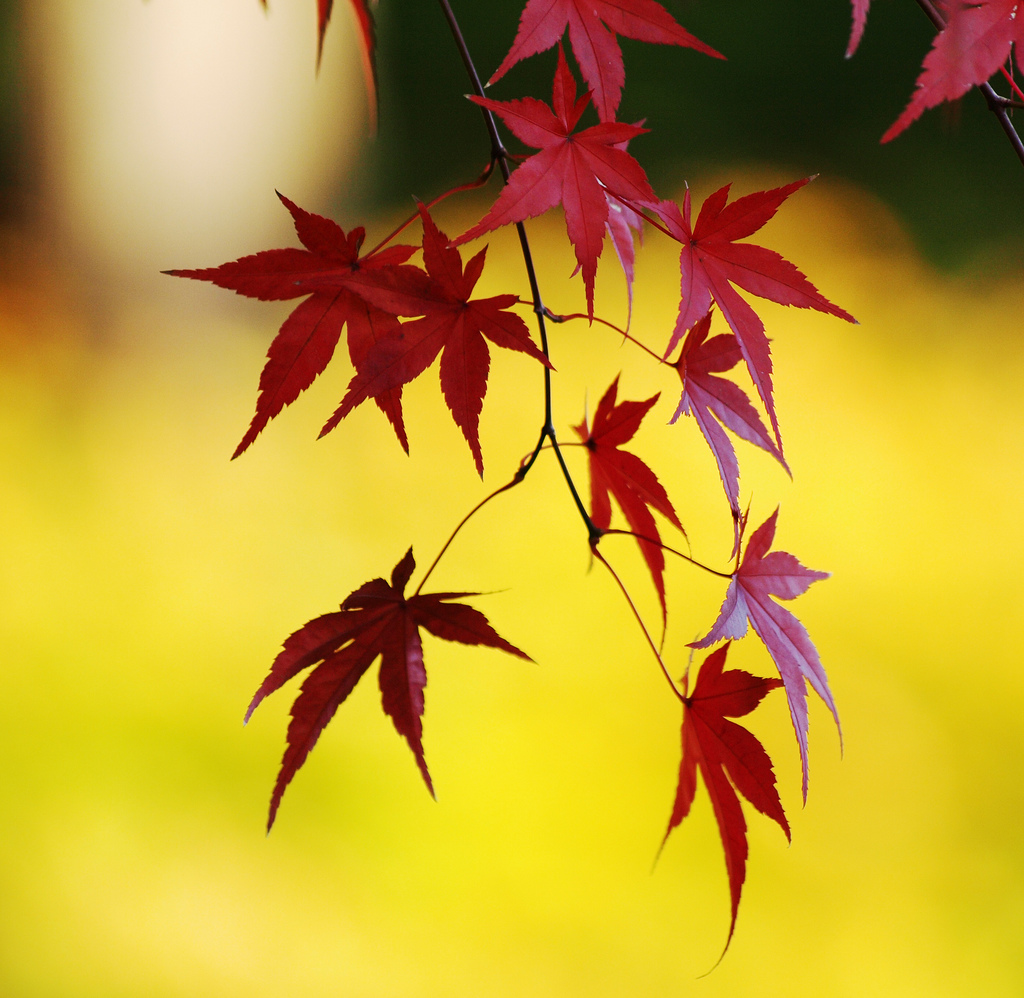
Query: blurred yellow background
[[146, 583]]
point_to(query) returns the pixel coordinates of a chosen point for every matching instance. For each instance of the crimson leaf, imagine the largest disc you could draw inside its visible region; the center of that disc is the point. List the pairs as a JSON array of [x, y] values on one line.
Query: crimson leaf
[[729, 758], [451, 322], [333, 274], [712, 261], [377, 620], [577, 170], [619, 473], [593, 25]]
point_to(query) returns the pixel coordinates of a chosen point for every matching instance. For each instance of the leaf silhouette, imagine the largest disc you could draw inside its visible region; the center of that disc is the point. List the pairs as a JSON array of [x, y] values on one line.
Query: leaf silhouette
[[334, 276], [453, 325], [760, 576], [593, 25], [712, 261], [619, 473], [577, 170], [729, 759], [377, 620]]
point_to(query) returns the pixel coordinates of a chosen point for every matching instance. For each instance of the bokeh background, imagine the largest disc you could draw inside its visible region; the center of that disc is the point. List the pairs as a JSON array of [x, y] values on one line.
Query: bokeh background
[[146, 581]]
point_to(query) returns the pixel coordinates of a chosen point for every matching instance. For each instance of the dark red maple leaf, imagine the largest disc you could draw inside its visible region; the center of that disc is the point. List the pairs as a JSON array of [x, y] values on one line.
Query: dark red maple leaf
[[705, 395], [729, 758], [593, 25], [975, 42], [333, 274], [760, 576], [620, 473], [377, 620], [453, 325], [712, 261], [577, 170]]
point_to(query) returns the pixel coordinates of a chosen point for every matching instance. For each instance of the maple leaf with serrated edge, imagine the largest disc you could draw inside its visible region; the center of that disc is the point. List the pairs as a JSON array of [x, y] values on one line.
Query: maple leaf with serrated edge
[[577, 170], [975, 42], [760, 576], [377, 620], [729, 758], [706, 396], [333, 274], [593, 25], [712, 261], [453, 325], [620, 473]]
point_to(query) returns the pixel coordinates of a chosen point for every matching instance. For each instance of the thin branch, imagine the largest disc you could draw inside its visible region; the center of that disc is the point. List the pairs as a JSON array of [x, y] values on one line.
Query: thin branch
[[996, 104], [643, 627], [501, 155], [671, 550]]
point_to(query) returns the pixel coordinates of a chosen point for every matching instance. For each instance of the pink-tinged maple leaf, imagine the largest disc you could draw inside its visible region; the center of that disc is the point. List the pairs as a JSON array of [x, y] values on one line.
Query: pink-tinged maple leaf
[[334, 276], [708, 398], [620, 473], [377, 620], [729, 759], [453, 325], [975, 42], [593, 25], [577, 170], [712, 261], [760, 576], [860, 17]]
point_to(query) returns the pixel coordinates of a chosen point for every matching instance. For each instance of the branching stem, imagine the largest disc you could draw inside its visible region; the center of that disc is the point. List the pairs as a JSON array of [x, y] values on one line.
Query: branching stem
[[636, 613], [996, 104]]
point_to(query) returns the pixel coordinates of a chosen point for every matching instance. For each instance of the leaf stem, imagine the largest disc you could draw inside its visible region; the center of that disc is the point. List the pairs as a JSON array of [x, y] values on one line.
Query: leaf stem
[[483, 502], [611, 325], [636, 613], [671, 550]]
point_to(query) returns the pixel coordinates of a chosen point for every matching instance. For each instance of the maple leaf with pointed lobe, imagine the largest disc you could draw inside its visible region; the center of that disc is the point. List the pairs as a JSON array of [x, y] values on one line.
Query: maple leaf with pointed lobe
[[620, 473], [760, 576], [577, 170], [367, 45], [975, 42], [377, 620], [452, 324], [330, 271], [708, 398], [593, 25], [712, 261], [729, 759]]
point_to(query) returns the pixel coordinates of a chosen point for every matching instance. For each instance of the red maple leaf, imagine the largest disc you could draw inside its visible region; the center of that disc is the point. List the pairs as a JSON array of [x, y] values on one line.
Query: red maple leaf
[[333, 274], [975, 42], [729, 758], [377, 620], [619, 473], [367, 45], [593, 25], [860, 17], [451, 322], [760, 576], [712, 261], [706, 396], [578, 170]]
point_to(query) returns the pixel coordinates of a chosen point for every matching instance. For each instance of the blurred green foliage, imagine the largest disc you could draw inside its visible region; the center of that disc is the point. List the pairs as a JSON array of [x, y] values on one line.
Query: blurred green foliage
[[786, 96]]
